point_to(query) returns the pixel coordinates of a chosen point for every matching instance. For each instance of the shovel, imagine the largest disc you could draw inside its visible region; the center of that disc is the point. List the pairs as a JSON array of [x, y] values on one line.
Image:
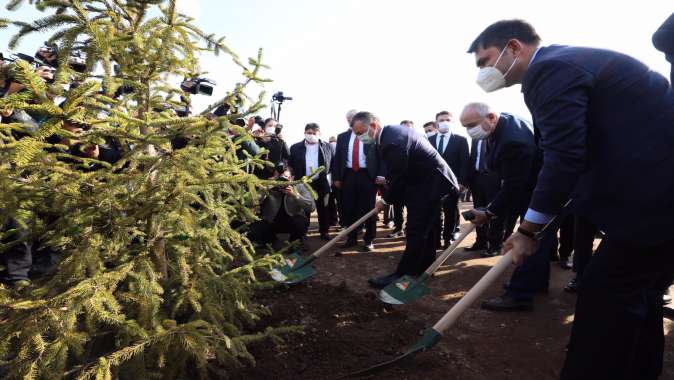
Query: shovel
[[298, 268], [433, 335], [407, 290]]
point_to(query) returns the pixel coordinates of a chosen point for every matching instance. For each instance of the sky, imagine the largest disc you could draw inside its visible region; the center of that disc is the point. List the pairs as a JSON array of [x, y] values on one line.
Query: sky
[[400, 59]]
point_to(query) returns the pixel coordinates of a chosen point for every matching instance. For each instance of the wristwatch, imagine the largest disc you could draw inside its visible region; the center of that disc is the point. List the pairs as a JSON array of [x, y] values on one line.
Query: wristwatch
[[531, 235]]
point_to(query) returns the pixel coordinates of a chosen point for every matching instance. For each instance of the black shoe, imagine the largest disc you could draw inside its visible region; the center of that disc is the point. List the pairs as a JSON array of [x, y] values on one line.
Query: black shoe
[[382, 282], [349, 243], [564, 264], [476, 247], [395, 233], [507, 303], [572, 286], [367, 247], [490, 253], [325, 236]]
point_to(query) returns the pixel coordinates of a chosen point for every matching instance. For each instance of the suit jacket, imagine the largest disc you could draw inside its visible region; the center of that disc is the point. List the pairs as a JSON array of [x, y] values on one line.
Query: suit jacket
[[606, 126], [513, 156], [297, 163], [456, 155], [301, 205], [663, 40], [374, 167], [416, 171]]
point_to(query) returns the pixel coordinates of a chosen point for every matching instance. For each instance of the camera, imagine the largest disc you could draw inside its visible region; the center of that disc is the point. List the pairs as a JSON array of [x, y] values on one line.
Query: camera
[[280, 98], [196, 86]]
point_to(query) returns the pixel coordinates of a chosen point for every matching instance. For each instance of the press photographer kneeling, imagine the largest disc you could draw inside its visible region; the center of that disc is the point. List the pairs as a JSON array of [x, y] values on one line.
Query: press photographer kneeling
[[283, 210]]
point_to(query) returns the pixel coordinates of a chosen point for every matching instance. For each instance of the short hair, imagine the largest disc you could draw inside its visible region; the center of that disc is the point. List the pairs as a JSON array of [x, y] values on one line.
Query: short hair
[[437, 115], [430, 124], [268, 120], [499, 33], [404, 122], [350, 113], [365, 117], [482, 109], [332, 138], [313, 126]]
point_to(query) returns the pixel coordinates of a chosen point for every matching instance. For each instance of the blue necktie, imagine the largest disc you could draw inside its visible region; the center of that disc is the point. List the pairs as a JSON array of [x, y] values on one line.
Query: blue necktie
[[441, 148]]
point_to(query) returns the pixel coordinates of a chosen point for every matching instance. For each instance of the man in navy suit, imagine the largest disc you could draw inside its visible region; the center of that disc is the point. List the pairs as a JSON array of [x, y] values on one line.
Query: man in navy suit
[[606, 127], [307, 156], [357, 172], [419, 178], [454, 149]]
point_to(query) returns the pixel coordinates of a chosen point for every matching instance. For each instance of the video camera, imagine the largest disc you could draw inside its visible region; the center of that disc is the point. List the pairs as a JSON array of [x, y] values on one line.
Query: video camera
[[196, 86], [280, 98]]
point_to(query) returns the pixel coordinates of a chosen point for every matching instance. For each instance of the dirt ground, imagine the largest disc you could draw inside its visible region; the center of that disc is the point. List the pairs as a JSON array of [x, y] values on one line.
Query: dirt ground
[[347, 328]]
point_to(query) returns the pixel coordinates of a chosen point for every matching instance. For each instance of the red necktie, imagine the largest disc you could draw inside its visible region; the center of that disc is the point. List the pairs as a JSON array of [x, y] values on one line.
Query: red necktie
[[355, 162]]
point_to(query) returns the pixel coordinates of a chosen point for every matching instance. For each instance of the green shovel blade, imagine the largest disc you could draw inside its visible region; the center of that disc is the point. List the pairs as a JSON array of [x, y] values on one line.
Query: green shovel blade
[[405, 290], [426, 342], [295, 270]]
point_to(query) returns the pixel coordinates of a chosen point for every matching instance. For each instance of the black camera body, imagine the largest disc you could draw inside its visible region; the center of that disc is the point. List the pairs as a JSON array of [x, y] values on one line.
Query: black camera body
[[280, 98], [197, 86]]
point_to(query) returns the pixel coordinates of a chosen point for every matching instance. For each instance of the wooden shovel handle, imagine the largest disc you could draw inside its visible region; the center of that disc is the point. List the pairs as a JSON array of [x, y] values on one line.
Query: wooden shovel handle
[[448, 252], [343, 233], [473, 294]]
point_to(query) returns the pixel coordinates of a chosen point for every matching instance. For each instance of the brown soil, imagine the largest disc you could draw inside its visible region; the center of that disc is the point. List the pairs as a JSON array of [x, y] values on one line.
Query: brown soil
[[346, 328]]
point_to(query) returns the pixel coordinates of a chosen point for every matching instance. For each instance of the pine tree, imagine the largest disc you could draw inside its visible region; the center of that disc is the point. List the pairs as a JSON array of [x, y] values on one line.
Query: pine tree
[[156, 279]]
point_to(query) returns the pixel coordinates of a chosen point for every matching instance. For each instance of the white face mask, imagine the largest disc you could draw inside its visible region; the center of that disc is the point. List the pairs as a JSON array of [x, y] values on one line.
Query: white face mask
[[477, 133], [492, 79], [311, 139], [431, 134], [333, 145], [270, 130], [443, 126]]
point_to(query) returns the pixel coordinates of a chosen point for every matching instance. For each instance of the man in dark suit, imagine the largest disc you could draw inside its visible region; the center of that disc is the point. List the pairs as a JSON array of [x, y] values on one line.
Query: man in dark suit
[[307, 156], [663, 40], [511, 155], [606, 127], [357, 172], [418, 177], [454, 150], [484, 186]]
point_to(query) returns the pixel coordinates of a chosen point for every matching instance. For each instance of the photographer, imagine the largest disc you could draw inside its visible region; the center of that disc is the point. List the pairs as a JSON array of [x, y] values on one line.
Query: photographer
[[277, 149], [283, 210]]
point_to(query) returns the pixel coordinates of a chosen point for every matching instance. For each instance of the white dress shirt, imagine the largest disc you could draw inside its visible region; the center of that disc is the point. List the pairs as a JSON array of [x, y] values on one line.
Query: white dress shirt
[[311, 157], [361, 152], [478, 156], [445, 141]]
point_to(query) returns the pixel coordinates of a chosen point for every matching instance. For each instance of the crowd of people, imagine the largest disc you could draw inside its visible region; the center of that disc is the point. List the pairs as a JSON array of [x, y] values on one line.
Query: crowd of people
[[597, 161]]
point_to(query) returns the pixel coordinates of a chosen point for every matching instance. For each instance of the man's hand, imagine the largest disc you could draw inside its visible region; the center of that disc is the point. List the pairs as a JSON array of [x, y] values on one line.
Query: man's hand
[[250, 123], [337, 184], [481, 217], [379, 205], [380, 180], [7, 112], [521, 247], [290, 191]]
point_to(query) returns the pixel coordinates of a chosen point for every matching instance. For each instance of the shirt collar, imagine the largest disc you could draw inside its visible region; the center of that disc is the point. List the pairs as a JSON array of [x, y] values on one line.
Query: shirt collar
[[533, 57], [380, 133]]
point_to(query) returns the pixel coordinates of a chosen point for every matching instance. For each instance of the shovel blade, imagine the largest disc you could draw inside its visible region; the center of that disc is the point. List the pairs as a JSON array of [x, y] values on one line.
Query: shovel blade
[[403, 291], [426, 342], [293, 271]]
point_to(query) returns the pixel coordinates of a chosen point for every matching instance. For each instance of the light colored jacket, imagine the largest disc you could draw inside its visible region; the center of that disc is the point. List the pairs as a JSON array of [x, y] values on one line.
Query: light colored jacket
[[300, 205]]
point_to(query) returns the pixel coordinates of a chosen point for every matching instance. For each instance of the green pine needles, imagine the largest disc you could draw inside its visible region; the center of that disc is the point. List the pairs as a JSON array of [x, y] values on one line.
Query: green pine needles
[[156, 277]]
